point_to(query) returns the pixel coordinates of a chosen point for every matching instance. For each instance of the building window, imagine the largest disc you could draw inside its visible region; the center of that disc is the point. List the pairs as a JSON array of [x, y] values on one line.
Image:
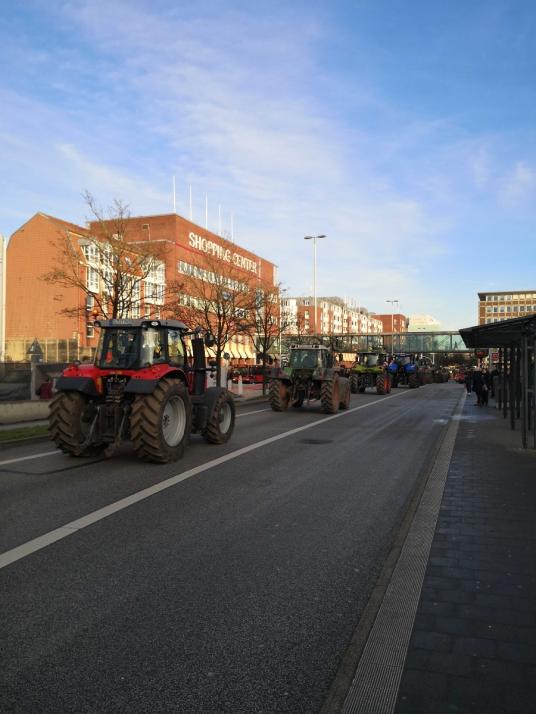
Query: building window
[[90, 331], [93, 279]]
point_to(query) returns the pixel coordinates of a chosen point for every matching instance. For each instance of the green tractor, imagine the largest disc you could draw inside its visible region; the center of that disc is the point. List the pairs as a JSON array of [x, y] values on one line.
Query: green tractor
[[311, 374], [369, 371]]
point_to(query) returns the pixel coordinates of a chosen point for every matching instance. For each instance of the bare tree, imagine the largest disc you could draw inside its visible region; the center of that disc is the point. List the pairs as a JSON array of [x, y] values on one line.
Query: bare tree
[[268, 321], [218, 297], [115, 275]]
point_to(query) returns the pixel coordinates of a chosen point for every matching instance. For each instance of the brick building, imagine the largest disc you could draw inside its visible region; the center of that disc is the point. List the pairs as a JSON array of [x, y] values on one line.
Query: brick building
[[33, 306], [334, 317], [393, 322], [495, 306]]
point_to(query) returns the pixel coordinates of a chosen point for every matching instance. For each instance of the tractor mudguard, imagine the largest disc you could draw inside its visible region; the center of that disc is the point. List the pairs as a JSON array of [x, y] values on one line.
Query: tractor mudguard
[[138, 384], [203, 405], [85, 385], [141, 386]]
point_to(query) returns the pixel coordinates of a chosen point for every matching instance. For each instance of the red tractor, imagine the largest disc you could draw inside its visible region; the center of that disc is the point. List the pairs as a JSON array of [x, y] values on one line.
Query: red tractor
[[141, 387]]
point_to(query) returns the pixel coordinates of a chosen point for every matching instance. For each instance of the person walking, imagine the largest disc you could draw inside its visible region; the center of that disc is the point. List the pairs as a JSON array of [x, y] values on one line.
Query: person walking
[[486, 386], [478, 386], [468, 381]]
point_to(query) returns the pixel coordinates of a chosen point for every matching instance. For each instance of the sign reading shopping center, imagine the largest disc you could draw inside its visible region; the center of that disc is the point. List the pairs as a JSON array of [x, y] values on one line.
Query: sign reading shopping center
[[218, 251]]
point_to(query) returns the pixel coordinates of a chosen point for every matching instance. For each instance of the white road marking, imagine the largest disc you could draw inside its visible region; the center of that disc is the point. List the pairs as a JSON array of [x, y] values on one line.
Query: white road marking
[[34, 456], [257, 411], [21, 551]]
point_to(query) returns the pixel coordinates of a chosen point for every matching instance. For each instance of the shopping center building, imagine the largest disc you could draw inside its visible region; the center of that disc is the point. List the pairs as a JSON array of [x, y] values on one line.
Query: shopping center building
[[34, 306]]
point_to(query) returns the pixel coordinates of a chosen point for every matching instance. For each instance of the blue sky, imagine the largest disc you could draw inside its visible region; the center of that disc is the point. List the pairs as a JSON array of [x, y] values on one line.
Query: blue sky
[[402, 129]]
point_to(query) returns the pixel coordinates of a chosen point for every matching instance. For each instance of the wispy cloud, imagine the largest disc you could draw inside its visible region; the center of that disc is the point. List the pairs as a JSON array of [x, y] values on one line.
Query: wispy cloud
[[264, 113]]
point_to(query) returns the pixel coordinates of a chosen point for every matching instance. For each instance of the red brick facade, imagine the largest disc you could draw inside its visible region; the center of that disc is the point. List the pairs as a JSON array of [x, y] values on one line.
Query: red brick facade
[[33, 306]]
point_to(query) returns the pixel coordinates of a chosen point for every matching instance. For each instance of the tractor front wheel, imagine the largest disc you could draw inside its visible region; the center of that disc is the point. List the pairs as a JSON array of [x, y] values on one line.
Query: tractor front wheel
[[69, 423], [279, 395], [413, 381], [354, 383], [160, 422], [381, 386], [221, 420], [329, 396]]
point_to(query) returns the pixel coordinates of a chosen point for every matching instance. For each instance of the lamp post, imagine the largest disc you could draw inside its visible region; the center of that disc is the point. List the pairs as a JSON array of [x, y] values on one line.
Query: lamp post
[[393, 323], [314, 239]]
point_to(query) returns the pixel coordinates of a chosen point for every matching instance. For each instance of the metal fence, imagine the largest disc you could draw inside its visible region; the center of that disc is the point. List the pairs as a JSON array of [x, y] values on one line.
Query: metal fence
[[20, 380], [53, 350]]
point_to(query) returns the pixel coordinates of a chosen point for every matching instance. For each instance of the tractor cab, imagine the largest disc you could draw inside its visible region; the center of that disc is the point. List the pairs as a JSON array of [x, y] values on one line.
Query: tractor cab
[[310, 357], [138, 344]]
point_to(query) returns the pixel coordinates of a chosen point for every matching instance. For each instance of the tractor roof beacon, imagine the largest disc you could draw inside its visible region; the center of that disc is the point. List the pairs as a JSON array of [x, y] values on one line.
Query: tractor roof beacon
[[143, 386], [311, 373]]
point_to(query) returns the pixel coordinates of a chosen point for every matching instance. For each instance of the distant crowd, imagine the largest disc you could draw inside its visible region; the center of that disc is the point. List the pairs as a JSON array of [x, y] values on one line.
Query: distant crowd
[[482, 383]]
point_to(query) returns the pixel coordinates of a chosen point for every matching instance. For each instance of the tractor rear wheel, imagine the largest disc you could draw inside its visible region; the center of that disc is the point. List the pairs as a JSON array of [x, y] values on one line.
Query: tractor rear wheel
[[69, 423], [413, 381], [344, 387], [354, 383], [279, 395], [381, 387], [221, 420], [329, 396], [160, 422]]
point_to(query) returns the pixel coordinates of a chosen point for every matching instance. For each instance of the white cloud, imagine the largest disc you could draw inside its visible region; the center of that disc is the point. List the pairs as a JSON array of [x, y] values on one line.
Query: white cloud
[[519, 184]]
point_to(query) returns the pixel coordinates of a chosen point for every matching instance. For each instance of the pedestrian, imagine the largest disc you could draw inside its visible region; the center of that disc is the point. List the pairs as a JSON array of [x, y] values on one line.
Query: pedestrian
[[44, 391], [494, 378], [486, 386], [478, 386], [468, 381]]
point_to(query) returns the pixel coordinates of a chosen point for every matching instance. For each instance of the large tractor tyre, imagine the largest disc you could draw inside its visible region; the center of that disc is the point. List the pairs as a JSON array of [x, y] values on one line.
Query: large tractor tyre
[[160, 423], [69, 423], [278, 395], [354, 383], [362, 386], [221, 420], [413, 381], [344, 389], [381, 387], [388, 384], [330, 396]]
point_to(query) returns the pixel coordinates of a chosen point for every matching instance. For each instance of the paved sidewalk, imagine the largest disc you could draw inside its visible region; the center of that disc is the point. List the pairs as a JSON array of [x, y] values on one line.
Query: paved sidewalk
[[473, 645]]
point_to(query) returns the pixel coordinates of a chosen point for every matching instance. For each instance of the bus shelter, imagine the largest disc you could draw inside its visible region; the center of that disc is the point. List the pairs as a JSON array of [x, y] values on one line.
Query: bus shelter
[[515, 340]]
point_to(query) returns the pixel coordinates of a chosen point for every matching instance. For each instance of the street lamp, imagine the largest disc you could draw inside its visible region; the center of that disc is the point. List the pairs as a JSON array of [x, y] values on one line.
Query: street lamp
[[314, 239], [393, 313]]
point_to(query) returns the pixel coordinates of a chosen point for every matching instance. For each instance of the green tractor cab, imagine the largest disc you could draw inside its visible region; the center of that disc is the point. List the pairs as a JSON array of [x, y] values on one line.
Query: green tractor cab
[[369, 370]]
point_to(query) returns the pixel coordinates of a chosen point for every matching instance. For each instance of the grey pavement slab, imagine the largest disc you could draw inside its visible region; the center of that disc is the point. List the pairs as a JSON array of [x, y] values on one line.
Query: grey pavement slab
[[473, 645]]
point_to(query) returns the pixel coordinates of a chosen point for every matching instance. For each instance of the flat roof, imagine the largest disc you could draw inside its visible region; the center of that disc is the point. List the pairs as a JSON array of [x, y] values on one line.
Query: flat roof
[[500, 334], [505, 292]]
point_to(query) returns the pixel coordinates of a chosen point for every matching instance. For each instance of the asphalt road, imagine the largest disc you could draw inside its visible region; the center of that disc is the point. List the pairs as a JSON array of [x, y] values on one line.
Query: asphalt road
[[236, 589]]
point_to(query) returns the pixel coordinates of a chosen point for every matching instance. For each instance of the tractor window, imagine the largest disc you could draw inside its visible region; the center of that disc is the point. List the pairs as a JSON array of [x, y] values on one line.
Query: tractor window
[[304, 359], [175, 348], [371, 360], [152, 349], [118, 348]]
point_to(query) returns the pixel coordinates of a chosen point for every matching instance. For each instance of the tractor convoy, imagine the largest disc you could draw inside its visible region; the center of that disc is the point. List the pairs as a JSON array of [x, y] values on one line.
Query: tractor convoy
[[141, 387], [148, 384]]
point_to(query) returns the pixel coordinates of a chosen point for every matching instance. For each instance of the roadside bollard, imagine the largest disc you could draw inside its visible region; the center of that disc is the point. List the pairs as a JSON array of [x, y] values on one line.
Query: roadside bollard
[[240, 386]]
